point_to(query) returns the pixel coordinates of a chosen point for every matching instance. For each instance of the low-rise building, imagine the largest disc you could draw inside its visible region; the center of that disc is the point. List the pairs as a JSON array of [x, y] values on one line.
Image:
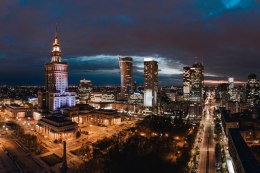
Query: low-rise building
[[104, 97], [136, 98], [101, 105], [57, 127], [127, 107], [97, 117], [86, 114], [17, 111]]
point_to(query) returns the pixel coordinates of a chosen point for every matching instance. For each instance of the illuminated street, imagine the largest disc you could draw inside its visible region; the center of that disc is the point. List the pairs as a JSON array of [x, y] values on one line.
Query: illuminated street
[[6, 163], [20, 159], [207, 149]]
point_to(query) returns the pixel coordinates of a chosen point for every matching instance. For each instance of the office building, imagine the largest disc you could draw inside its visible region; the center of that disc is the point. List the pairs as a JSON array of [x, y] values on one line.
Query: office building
[[231, 89], [234, 93], [85, 88], [151, 85], [252, 89], [126, 69], [193, 78], [186, 83]]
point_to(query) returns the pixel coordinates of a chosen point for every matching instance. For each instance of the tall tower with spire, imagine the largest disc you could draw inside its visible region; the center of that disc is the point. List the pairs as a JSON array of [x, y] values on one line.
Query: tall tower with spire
[[56, 71], [56, 95]]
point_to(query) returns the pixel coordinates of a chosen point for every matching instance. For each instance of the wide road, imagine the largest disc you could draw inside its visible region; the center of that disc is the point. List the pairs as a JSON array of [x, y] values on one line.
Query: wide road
[[24, 160], [7, 163], [207, 149]]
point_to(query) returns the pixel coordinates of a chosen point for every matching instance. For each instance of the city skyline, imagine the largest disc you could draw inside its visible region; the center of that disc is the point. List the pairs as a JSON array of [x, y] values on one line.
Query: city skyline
[[130, 86], [91, 41]]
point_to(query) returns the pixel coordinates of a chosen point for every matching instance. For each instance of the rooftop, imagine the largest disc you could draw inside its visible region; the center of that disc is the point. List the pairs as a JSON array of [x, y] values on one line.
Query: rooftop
[[247, 158], [57, 121], [16, 106], [226, 115], [245, 116]]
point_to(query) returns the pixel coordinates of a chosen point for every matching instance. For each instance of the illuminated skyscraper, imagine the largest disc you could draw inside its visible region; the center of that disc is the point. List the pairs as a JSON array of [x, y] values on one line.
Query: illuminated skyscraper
[[151, 84], [231, 83], [85, 88], [193, 79], [197, 81], [233, 92], [252, 89], [126, 68], [186, 83], [56, 95]]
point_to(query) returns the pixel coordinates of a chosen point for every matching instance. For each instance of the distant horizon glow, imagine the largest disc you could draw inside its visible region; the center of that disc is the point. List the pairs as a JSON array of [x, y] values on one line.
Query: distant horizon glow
[[211, 82]]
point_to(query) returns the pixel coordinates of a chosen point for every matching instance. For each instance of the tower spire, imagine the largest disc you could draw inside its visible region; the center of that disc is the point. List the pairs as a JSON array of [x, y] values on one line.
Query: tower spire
[[56, 31], [56, 51]]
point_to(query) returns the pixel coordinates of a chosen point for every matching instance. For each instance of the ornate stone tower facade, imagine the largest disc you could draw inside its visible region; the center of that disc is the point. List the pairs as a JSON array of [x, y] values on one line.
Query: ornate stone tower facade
[[56, 95]]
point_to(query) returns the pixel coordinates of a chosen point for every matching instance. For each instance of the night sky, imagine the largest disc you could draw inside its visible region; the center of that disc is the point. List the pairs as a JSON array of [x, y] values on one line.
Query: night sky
[[224, 33]]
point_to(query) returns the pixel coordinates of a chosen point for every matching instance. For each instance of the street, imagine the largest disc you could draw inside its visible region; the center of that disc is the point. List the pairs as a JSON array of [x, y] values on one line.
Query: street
[[207, 149], [15, 158], [7, 164]]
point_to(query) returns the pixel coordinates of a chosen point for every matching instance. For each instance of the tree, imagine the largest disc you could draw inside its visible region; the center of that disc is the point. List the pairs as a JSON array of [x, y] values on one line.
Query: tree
[[218, 152], [218, 130]]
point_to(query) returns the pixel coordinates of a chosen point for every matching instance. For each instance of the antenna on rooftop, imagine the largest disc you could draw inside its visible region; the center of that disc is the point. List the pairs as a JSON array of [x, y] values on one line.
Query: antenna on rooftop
[[196, 59]]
